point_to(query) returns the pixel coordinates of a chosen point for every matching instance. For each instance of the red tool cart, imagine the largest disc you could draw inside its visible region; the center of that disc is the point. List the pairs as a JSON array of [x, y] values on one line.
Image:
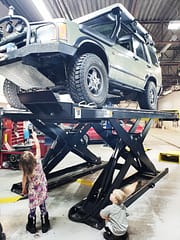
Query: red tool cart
[[14, 141]]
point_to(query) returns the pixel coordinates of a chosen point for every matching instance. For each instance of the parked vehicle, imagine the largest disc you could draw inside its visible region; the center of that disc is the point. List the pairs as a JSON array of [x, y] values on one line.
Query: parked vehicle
[[93, 137], [103, 56]]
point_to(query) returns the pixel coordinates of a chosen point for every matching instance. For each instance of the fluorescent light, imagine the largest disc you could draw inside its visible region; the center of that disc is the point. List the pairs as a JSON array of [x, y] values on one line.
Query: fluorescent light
[[41, 7], [174, 25]]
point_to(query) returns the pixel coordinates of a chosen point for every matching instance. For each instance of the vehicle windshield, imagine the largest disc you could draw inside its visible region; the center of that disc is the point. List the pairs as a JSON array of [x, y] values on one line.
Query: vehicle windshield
[[103, 24]]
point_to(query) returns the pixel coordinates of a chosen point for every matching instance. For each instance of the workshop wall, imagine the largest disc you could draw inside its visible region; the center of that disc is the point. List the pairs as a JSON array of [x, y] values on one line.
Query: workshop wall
[[170, 101]]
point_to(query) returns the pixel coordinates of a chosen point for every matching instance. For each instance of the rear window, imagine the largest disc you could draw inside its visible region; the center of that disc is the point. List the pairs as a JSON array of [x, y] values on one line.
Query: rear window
[[139, 49]]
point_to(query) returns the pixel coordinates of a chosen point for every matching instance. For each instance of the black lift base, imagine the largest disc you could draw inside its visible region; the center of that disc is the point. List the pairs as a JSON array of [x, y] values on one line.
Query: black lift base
[[79, 213]]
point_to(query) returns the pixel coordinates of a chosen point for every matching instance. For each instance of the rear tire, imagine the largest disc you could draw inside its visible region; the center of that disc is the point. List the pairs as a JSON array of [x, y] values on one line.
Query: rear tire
[[148, 99], [10, 91]]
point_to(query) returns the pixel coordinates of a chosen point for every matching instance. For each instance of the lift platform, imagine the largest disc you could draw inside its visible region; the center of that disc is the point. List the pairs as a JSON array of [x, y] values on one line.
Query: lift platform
[[47, 113]]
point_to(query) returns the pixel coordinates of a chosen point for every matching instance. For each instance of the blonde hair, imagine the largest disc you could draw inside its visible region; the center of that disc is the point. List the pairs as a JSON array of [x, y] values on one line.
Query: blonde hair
[[27, 163], [119, 195]]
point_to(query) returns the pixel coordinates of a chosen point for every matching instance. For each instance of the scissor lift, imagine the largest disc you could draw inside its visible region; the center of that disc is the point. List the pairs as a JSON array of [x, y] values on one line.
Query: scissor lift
[[47, 113]]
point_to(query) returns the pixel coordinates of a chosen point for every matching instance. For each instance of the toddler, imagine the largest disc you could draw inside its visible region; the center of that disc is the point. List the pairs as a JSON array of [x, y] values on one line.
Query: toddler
[[115, 216]]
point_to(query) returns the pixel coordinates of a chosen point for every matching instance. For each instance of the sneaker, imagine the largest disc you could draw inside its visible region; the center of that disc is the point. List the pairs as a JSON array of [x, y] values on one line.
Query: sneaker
[[122, 237], [125, 236], [110, 236]]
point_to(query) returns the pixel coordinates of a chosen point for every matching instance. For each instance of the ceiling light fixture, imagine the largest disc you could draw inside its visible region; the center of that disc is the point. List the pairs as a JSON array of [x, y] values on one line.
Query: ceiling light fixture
[[41, 7], [174, 25]]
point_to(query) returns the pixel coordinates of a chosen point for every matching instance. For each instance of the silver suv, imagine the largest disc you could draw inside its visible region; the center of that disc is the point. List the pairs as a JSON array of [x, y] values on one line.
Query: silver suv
[[105, 56]]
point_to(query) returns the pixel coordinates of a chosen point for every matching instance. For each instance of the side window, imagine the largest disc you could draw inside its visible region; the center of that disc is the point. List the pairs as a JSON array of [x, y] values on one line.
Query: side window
[[126, 42], [127, 45], [125, 39], [152, 53], [139, 49]]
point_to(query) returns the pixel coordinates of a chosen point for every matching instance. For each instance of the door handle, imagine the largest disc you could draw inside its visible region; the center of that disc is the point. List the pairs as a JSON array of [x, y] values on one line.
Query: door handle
[[149, 66], [135, 58]]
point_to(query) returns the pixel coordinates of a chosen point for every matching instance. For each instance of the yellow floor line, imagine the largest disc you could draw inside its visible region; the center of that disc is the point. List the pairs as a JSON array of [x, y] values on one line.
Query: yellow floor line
[[147, 149], [10, 199], [85, 182]]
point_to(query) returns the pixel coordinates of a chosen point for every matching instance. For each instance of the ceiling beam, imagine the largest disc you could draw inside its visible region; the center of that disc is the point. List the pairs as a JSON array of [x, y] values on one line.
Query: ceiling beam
[[167, 42], [175, 63], [154, 21]]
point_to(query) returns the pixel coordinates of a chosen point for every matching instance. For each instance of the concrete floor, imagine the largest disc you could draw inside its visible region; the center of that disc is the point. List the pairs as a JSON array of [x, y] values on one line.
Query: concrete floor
[[154, 216]]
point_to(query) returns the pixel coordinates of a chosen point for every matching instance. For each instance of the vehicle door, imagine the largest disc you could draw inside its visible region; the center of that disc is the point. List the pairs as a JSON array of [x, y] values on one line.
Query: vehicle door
[[128, 67], [142, 61]]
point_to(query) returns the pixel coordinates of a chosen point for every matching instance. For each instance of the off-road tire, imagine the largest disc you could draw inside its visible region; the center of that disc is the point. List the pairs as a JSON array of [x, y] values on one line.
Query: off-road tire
[[148, 99], [10, 91], [88, 80]]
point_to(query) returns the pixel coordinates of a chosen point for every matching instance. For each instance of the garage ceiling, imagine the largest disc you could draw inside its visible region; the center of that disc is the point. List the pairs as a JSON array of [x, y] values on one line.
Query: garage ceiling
[[153, 14]]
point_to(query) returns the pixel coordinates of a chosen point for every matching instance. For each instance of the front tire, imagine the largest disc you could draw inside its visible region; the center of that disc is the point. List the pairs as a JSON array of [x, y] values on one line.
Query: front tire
[[10, 91], [88, 80], [148, 99]]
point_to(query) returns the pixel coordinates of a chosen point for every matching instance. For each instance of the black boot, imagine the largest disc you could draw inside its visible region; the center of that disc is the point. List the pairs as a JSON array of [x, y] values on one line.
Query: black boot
[[2, 235], [31, 224], [45, 224]]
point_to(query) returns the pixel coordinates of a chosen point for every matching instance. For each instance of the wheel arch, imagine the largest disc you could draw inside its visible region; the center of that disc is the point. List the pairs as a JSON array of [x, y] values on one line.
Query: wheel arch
[[151, 79], [89, 46], [155, 81]]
